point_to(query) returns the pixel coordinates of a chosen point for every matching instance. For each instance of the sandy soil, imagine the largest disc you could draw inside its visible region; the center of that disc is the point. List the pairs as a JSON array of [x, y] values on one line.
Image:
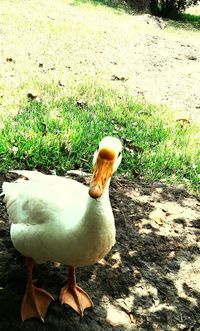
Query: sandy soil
[[48, 40], [149, 280]]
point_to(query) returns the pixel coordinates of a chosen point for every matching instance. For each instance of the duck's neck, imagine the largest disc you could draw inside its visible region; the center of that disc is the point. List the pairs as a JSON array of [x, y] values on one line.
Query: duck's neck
[[99, 209], [97, 229], [103, 199]]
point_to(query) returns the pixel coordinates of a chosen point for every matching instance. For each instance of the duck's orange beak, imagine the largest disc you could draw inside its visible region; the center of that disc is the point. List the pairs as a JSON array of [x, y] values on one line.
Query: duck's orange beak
[[103, 170]]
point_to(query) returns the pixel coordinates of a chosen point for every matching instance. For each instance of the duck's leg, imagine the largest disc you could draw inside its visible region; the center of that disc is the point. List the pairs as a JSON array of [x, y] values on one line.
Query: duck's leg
[[74, 296], [36, 300]]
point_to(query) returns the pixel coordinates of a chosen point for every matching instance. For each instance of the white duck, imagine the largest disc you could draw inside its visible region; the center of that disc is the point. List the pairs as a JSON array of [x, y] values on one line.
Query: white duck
[[55, 219]]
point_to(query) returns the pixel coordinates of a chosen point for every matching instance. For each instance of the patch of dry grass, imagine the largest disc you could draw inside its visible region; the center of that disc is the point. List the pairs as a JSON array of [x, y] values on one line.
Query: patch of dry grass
[[48, 41]]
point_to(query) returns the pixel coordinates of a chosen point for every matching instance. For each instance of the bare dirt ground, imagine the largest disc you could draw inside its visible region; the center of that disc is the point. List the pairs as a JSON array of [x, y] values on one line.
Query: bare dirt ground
[[149, 280], [62, 42]]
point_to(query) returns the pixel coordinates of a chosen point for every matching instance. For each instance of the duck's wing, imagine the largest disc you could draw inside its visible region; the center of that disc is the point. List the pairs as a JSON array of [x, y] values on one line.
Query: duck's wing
[[44, 198], [39, 177]]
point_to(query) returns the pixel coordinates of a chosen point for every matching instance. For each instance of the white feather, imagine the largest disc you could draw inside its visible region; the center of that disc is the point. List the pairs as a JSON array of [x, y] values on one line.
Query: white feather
[[54, 219]]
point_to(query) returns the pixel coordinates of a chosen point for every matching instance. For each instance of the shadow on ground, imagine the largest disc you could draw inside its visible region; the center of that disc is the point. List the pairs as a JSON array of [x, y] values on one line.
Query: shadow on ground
[[149, 281]]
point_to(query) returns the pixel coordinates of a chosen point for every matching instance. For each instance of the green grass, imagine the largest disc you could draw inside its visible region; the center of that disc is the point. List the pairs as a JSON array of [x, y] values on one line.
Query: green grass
[[62, 133], [185, 21], [62, 129], [191, 20]]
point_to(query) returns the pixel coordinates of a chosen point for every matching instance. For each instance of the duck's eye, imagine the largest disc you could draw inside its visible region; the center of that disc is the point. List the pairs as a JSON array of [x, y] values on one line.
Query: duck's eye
[[119, 154]]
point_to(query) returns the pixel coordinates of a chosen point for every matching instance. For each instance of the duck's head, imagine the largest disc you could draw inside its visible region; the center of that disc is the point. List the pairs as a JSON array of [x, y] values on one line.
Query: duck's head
[[106, 160]]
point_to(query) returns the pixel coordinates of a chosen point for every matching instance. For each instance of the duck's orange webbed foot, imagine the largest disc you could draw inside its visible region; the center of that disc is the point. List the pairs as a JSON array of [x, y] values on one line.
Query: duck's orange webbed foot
[[74, 296], [36, 300]]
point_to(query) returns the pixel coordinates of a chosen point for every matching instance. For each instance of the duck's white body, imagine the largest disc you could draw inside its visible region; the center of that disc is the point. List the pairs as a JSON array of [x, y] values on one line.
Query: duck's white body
[[54, 219], [58, 219]]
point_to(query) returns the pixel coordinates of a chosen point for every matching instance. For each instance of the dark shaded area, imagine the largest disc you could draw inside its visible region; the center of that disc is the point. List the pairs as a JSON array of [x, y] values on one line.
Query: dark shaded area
[[171, 9], [148, 257], [186, 21]]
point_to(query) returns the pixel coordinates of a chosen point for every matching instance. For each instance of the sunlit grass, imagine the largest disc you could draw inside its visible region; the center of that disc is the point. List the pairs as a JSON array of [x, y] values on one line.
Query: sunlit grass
[[62, 133], [118, 5], [73, 109]]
